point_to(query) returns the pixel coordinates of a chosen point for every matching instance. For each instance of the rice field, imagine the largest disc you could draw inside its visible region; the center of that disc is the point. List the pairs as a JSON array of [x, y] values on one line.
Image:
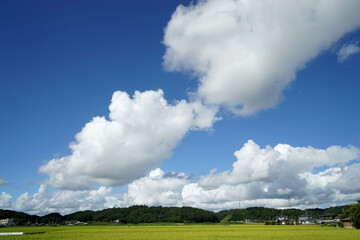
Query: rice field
[[245, 231]]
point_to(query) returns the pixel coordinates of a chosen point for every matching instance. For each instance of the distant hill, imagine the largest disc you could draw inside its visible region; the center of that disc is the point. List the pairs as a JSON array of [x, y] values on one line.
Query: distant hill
[[262, 213], [133, 214], [144, 214]]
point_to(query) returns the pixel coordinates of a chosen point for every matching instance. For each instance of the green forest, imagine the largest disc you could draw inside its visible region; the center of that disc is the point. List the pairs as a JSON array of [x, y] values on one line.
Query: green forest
[[264, 214], [144, 214]]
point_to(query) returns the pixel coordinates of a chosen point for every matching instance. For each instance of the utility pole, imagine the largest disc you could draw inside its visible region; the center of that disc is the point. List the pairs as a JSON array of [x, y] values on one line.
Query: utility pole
[[289, 201]]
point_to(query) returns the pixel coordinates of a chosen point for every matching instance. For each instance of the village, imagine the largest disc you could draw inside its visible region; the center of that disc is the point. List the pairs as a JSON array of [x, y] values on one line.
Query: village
[[307, 219]]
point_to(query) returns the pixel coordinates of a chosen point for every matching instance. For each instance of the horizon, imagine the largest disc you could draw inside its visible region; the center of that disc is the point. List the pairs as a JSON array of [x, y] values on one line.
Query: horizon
[[198, 103], [99, 210]]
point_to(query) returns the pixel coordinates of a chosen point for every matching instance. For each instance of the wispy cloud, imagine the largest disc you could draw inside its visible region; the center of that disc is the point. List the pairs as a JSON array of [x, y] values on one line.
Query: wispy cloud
[[3, 182], [346, 51]]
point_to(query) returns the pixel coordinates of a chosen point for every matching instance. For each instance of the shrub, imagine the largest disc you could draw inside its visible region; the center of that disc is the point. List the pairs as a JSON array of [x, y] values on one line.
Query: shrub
[[354, 214], [332, 225]]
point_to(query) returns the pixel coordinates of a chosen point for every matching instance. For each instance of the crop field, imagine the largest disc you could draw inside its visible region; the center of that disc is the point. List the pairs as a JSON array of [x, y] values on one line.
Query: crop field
[[245, 231]]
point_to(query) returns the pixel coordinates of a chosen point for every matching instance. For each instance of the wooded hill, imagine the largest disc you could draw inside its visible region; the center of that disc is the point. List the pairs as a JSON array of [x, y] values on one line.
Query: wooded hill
[[264, 214], [144, 214]]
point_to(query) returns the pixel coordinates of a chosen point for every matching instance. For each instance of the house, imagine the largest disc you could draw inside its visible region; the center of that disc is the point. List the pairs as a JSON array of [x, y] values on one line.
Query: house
[[281, 220], [306, 219], [346, 223], [6, 222], [326, 216], [249, 221], [326, 221]]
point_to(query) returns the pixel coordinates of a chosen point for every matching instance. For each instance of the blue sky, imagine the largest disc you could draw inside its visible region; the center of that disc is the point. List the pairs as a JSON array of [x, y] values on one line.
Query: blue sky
[[61, 62]]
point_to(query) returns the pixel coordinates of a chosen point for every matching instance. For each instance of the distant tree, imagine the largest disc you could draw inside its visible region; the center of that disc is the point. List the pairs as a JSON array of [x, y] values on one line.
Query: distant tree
[[354, 214]]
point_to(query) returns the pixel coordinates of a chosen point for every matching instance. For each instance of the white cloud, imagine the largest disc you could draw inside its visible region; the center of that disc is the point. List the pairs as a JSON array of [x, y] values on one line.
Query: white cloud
[[281, 162], [64, 202], [321, 179], [346, 51], [266, 176], [290, 172], [157, 188], [245, 53], [285, 191], [229, 196], [260, 177], [5, 200], [140, 134], [3, 182]]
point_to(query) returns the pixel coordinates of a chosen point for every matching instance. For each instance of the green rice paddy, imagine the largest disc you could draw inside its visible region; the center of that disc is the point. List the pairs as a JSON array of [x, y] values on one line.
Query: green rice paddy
[[244, 231]]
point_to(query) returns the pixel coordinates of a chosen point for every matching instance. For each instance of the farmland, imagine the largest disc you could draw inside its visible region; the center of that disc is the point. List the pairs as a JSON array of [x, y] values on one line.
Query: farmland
[[195, 231]]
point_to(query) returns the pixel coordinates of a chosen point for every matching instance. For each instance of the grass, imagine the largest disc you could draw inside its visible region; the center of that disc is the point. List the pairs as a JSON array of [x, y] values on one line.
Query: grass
[[243, 232]]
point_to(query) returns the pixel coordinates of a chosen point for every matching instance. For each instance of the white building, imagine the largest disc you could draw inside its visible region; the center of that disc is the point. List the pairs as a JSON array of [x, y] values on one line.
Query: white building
[[306, 219], [5, 222], [281, 220]]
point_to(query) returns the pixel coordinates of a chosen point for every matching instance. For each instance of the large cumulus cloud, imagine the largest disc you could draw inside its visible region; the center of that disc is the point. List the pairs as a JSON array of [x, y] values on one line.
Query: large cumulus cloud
[[154, 189], [283, 162], [267, 176], [260, 177], [245, 53], [140, 133]]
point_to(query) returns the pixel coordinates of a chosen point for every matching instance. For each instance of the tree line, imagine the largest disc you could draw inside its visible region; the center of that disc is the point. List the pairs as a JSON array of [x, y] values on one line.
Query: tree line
[[265, 214], [134, 214], [144, 214]]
